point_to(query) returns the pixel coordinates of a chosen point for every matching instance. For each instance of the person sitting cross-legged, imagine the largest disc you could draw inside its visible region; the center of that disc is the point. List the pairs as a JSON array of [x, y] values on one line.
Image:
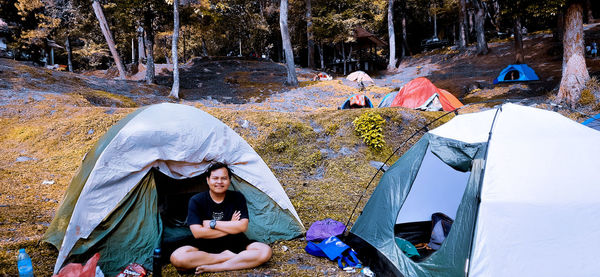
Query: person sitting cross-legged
[[218, 219]]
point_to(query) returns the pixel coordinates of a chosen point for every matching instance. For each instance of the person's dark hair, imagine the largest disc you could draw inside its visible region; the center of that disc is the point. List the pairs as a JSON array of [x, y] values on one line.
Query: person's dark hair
[[218, 165]]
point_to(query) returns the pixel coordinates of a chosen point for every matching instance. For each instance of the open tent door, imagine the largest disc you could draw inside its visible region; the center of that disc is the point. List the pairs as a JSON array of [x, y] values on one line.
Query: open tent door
[[438, 188]]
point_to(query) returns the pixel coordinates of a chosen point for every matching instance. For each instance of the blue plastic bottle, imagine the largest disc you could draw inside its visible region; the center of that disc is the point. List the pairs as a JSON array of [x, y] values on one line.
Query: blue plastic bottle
[[24, 263]]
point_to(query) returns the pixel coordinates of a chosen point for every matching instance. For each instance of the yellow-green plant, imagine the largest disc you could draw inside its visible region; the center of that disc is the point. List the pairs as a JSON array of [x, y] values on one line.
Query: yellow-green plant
[[369, 127]]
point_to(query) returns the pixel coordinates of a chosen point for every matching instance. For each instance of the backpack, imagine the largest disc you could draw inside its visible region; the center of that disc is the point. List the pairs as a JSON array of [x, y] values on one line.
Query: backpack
[[440, 227], [336, 250]]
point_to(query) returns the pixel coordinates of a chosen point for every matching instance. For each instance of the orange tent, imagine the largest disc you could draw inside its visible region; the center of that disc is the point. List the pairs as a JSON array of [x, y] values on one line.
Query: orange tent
[[420, 93]]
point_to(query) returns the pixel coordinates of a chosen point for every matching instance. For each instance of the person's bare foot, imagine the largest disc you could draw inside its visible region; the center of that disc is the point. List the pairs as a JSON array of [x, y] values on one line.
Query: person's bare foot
[[227, 254], [206, 268]]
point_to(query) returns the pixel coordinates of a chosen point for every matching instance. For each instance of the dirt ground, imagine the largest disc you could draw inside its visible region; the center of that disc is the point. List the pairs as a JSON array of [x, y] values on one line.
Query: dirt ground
[[50, 119]]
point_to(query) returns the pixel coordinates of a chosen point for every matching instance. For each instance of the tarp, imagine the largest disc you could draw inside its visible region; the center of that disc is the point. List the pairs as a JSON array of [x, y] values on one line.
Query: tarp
[[516, 73], [538, 196], [593, 122], [180, 141], [420, 93]]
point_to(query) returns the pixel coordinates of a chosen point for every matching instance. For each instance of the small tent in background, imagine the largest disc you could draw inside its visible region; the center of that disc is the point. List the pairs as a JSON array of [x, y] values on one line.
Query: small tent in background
[[360, 76], [421, 94], [517, 208], [152, 161], [516, 73], [593, 122], [356, 101], [322, 76], [388, 99]]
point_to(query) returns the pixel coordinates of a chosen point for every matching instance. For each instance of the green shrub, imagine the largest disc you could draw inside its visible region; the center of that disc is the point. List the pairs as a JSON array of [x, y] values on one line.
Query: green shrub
[[369, 127]]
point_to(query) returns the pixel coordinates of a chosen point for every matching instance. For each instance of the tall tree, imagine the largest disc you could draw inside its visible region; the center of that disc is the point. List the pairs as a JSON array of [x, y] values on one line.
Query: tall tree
[[574, 70], [149, 37], [109, 39], [462, 22], [292, 80], [479, 15], [519, 56], [175, 89], [392, 36], [309, 35]]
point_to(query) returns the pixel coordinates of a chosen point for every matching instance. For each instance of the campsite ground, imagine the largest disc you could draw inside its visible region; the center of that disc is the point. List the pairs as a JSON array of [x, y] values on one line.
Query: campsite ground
[[50, 119]]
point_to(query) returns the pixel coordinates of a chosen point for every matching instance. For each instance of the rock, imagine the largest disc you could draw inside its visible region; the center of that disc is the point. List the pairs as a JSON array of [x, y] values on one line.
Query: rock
[[24, 159]]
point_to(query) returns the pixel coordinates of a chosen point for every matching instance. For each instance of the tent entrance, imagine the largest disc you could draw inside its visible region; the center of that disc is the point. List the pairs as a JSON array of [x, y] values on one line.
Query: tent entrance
[[512, 75], [437, 188]]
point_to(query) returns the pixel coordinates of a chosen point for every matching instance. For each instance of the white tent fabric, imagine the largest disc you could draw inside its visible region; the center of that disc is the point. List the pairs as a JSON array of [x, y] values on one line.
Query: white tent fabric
[[539, 210], [163, 136]]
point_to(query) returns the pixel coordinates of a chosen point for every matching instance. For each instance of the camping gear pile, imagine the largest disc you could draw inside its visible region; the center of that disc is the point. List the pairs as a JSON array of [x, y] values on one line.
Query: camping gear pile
[[519, 183], [323, 241], [131, 192]]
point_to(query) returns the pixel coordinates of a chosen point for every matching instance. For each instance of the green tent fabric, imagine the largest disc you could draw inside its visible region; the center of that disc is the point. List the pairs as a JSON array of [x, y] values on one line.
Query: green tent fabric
[[373, 233], [112, 204], [516, 180]]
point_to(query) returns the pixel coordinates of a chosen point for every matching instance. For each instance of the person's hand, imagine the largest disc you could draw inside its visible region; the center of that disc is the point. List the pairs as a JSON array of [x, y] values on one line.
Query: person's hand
[[236, 216]]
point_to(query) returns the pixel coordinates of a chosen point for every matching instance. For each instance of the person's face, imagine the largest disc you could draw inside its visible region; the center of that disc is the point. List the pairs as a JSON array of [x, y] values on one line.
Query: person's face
[[218, 181]]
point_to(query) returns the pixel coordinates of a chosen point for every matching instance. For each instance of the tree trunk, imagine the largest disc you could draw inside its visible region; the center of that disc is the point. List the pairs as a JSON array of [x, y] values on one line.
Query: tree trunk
[[392, 36], [574, 71], [309, 36], [588, 8], [109, 38], [344, 57], [519, 57], [482, 47], [405, 47], [132, 51], [69, 54], [321, 55], [175, 89], [204, 50], [292, 80], [148, 18], [462, 21], [141, 51]]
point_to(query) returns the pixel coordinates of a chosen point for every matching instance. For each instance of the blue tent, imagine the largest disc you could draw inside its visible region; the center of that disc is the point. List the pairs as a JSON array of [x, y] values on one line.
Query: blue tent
[[593, 122], [516, 73]]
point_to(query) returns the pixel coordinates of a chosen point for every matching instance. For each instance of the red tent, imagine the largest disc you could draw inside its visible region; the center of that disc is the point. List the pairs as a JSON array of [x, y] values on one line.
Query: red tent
[[420, 93]]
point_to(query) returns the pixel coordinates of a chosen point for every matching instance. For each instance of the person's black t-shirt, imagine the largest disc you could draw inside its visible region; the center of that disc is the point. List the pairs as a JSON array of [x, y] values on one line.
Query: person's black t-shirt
[[202, 207]]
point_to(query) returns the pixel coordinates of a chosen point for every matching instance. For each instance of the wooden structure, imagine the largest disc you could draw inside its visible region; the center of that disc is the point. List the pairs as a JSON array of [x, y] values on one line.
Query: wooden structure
[[362, 52]]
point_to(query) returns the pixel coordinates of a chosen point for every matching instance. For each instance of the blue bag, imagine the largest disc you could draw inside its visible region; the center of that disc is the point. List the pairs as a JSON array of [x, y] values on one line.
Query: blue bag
[[313, 249], [336, 250]]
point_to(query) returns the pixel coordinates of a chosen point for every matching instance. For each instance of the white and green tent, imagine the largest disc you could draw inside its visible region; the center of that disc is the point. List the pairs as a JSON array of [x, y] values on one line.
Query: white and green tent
[[520, 183], [142, 162]]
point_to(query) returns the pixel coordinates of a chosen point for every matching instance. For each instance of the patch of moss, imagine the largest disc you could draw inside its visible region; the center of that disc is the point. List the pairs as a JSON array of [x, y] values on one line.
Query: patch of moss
[[587, 98], [107, 99], [368, 126]]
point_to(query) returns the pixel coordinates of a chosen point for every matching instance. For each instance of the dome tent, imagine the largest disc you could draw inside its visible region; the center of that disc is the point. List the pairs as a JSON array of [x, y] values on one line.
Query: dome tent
[[516, 73], [112, 204], [519, 183], [421, 94], [356, 101]]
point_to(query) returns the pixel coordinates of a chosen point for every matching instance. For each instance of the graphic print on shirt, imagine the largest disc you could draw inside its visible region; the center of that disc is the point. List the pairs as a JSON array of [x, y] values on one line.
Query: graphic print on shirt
[[217, 215]]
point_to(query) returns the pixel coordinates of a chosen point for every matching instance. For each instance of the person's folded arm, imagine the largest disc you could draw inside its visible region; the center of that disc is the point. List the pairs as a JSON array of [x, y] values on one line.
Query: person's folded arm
[[204, 232], [230, 227]]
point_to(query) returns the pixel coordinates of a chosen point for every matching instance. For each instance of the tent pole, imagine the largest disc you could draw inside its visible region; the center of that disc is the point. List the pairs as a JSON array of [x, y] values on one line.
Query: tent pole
[[424, 128], [487, 147]]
